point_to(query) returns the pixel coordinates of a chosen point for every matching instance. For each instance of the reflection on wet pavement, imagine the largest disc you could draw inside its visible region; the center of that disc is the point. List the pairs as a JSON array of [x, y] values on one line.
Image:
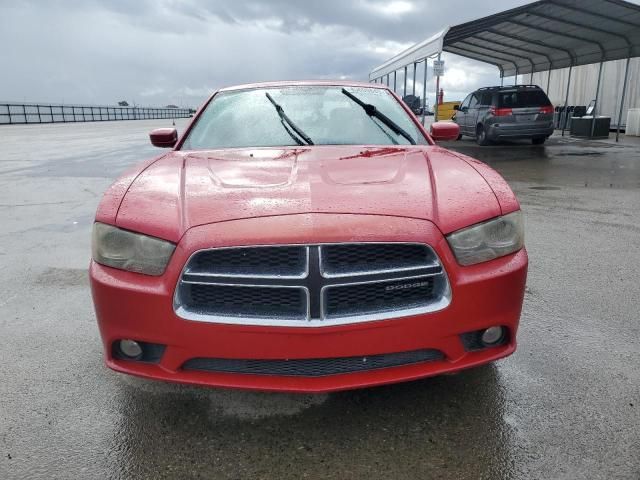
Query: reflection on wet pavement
[[433, 425], [565, 405]]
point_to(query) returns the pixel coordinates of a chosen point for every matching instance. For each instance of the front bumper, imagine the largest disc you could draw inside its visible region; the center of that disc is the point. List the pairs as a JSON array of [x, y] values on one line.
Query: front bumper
[[140, 307]]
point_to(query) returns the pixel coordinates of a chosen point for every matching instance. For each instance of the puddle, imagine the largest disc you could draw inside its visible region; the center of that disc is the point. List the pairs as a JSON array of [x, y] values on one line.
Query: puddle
[[68, 226], [256, 405], [63, 277], [240, 404], [579, 154]]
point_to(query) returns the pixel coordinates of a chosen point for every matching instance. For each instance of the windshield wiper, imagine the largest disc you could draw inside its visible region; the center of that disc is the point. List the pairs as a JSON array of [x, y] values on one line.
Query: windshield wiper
[[286, 120], [372, 111]]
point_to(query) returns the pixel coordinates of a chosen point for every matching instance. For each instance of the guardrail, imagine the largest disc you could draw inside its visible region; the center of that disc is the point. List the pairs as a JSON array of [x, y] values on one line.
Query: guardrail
[[24, 113]]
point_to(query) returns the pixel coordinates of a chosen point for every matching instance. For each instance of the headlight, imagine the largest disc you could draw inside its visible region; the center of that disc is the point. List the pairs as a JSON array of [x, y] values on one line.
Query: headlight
[[126, 250], [486, 241]]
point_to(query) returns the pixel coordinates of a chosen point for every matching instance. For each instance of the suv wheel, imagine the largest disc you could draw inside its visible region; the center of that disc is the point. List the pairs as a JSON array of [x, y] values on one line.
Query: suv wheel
[[481, 136], [538, 140]]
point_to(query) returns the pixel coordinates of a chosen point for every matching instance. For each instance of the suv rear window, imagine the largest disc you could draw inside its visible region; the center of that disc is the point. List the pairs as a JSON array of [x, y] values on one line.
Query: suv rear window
[[522, 99]]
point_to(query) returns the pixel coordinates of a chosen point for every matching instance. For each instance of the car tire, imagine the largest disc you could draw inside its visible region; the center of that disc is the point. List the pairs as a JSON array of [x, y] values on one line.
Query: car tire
[[481, 136], [538, 140]]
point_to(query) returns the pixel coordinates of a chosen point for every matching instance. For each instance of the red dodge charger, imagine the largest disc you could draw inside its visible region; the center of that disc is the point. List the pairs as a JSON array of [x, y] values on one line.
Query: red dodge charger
[[310, 237]]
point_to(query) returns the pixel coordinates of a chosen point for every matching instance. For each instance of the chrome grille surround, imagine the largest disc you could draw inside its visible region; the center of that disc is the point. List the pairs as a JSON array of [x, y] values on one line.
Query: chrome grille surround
[[376, 281]]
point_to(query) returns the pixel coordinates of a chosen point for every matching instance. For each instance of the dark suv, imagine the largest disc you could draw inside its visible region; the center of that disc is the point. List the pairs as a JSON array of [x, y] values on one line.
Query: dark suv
[[492, 114]]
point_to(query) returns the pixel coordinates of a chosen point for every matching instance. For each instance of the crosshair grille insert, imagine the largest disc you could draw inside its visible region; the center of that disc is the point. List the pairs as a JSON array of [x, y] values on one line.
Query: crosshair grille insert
[[311, 285]]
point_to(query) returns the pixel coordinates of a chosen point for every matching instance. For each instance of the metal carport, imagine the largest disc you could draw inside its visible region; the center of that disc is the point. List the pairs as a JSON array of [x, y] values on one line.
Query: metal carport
[[542, 36]]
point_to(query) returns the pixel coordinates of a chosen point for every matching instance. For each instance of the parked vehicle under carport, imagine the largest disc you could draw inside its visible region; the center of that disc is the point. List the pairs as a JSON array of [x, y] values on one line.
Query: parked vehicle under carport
[[492, 114]]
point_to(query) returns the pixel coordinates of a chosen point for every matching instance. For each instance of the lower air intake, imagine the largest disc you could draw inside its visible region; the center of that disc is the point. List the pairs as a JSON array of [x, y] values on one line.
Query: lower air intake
[[312, 367]]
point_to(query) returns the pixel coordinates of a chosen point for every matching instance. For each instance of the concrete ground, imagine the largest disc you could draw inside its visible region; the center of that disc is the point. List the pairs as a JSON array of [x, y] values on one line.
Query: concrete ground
[[566, 405]]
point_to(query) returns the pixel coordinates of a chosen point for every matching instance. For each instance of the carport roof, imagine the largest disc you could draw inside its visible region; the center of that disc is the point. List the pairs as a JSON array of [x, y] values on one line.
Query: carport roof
[[544, 35]]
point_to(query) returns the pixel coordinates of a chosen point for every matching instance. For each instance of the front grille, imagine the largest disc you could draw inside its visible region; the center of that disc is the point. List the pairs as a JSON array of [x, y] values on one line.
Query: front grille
[[244, 301], [377, 297], [253, 261], [312, 367], [311, 285], [352, 258]]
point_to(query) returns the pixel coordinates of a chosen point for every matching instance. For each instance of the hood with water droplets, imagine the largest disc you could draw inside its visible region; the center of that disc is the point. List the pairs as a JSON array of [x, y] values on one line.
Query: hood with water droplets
[[186, 189]]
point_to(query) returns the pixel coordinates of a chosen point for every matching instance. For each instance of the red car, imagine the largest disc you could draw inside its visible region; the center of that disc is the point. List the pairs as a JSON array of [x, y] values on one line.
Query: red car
[[310, 237]]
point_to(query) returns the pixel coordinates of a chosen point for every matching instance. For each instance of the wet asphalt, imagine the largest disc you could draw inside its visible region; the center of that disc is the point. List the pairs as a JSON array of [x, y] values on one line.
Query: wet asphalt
[[566, 405]]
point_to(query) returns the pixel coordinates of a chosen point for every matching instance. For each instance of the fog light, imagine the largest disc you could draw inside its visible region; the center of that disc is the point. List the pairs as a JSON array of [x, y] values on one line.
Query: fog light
[[130, 348], [492, 335]]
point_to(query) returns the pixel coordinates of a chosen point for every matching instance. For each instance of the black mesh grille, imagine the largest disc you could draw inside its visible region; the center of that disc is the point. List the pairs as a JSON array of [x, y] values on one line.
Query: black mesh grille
[[353, 258], [378, 297], [315, 367], [277, 261], [343, 283], [246, 301]]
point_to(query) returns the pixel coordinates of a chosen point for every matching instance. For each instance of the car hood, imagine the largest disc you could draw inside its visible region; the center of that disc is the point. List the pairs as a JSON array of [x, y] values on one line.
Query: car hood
[[186, 189]]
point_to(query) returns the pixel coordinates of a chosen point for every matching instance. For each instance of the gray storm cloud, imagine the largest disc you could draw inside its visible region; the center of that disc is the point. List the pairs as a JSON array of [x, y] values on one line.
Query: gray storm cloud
[[170, 51]]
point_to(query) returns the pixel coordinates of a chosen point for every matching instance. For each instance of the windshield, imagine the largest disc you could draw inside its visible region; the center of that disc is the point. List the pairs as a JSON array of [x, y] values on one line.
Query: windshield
[[247, 118]]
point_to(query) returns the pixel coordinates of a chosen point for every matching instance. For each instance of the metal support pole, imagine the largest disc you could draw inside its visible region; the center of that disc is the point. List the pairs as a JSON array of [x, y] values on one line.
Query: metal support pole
[[435, 107], [548, 81], [566, 101], [424, 93], [387, 79], [515, 82], [415, 68], [404, 91], [24, 112], [501, 80], [595, 105], [395, 79], [624, 89], [39, 117], [531, 79]]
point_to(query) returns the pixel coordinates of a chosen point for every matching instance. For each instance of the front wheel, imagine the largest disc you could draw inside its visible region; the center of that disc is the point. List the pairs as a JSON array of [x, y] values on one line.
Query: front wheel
[[481, 136], [538, 140]]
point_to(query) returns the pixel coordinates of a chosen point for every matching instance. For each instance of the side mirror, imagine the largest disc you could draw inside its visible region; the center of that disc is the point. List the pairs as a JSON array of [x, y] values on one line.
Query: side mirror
[[164, 137], [456, 107], [441, 131]]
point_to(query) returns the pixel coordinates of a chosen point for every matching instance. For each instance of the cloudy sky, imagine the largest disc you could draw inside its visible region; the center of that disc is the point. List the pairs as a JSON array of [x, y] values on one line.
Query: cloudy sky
[[155, 52]]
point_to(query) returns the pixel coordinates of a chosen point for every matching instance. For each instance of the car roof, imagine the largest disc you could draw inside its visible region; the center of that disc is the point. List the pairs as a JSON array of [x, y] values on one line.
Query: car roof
[[509, 88], [297, 83]]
